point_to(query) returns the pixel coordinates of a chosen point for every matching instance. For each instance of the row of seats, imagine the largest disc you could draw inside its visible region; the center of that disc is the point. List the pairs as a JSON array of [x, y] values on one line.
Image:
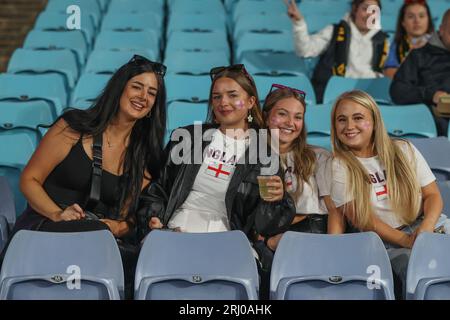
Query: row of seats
[[41, 265]]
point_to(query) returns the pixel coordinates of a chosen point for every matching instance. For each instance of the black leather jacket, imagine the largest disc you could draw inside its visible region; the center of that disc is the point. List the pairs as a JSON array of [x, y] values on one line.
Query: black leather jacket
[[246, 211]]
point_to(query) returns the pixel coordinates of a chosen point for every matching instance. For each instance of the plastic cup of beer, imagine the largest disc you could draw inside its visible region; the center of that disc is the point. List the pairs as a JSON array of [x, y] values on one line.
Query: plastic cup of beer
[[263, 188]]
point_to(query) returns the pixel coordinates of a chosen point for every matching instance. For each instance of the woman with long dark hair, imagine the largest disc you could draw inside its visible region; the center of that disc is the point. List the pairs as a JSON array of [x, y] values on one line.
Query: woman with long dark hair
[[89, 169], [414, 28]]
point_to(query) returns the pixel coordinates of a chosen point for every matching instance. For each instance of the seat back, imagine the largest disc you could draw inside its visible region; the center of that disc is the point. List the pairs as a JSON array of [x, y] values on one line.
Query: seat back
[[44, 265], [436, 152], [178, 265], [319, 266]]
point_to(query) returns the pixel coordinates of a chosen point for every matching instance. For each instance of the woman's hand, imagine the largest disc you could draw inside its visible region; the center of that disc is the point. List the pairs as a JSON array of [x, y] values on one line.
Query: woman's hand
[[293, 11], [74, 212], [155, 223], [275, 189], [117, 228], [272, 242]]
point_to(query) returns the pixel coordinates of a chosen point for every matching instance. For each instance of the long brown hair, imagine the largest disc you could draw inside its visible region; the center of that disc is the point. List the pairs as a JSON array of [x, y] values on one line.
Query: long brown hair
[[401, 178], [304, 156], [248, 84], [400, 32]]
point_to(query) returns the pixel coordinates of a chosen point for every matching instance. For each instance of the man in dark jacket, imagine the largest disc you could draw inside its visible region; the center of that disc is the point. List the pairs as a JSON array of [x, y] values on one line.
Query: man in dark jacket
[[424, 77]]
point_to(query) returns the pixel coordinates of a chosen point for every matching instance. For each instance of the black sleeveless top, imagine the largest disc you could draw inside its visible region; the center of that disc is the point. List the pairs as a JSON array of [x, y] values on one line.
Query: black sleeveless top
[[70, 182]]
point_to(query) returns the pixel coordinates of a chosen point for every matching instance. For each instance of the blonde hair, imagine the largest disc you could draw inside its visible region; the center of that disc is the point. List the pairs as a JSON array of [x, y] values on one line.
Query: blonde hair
[[304, 156], [401, 180]]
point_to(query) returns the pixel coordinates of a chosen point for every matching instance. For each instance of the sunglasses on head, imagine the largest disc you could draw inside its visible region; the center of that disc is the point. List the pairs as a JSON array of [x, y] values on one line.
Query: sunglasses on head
[[277, 86], [235, 67], [157, 67]]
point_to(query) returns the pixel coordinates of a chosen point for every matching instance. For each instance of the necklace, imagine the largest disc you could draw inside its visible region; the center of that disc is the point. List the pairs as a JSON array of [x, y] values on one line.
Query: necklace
[[107, 140]]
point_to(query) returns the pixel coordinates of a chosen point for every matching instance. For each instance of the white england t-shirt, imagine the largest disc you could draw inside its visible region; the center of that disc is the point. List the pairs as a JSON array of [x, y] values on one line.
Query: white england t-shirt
[[204, 209], [310, 200], [379, 193]]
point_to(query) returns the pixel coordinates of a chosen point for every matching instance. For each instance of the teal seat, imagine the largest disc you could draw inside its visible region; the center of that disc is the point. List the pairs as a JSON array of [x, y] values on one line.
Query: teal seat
[[301, 82], [187, 88], [318, 126], [263, 42], [88, 88], [211, 41], [191, 22], [89, 7], [409, 121], [108, 61], [193, 62], [378, 88]]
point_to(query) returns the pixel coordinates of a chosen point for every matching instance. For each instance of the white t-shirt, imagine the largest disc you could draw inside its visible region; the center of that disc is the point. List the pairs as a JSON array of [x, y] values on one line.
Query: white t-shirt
[[379, 193], [204, 209], [359, 62], [310, 200]]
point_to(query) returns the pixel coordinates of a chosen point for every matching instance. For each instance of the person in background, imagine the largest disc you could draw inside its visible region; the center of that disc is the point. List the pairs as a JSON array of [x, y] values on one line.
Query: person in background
[[352, 48], [414, 28], [424, 76]]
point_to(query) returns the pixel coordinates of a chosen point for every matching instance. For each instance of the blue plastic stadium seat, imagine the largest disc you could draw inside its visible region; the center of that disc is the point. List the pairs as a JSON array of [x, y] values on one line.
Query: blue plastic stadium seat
[[273, 63], [45, 266], [428, 276], [198, 41], [268, 23], [188, 22], [88, 88], [136, 6], [196, 91], [324, 8], [213, 7], [333, 267], [301, 82], [132, 22], [378, 88], [257, 7], [146, 40], [444, 187], [195, 63], [107, 61], [317, 121], [54, 21], [206, 266], [409, 121], [7, 211], [181, 114], [263, 42], [49, 88], [436, 152], [61, 62], [92, 8]]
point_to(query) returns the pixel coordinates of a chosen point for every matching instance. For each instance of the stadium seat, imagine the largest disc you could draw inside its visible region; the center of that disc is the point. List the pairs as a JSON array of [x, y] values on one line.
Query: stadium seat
[[428, 276], [180, 114], [263, 42], [378, 88], [409, 121], [47, 266], [256, 7], [191, 22], [49, 88], [193, 62], [20, 145], [263, 23], [315, 25], [132, 22], [7, 211], [136, 6], [317, 121], [131, 40], [198, 41], [273, 63], [54, 21], [205, 266], [444, 187], [187, 88], [213, 7], [61, 62], [301, 82], [55, 40], [436, 152], [107, 62], [88, 89], [324, 8], [333, 267], [92, 8]]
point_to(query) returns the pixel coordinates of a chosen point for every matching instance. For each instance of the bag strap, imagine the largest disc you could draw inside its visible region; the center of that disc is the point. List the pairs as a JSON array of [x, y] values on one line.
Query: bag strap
[[96, 181]]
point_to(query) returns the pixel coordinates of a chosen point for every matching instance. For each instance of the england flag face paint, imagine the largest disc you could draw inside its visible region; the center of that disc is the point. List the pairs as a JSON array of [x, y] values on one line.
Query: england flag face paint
[[239, 104]]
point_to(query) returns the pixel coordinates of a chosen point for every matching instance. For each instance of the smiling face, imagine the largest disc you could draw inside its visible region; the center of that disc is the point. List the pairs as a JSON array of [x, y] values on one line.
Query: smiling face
[[138, 96], [361, 15], [354, 127], [231, 104], [415, 20], [287, 115]]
